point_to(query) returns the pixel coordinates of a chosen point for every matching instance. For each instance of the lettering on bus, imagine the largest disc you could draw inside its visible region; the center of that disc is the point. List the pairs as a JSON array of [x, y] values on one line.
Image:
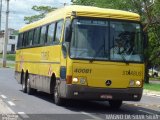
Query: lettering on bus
[[88, 71], [134, 73], [44, 55]]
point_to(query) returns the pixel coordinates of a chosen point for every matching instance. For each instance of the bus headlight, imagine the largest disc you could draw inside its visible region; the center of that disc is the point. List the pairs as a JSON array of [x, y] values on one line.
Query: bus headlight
[[75, 80], [131, 83], [138, 83]]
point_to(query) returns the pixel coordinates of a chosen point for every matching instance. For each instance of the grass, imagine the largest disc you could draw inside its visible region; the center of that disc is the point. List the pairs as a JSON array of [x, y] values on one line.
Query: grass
[[10, 57], [152, 78], [152, 86]]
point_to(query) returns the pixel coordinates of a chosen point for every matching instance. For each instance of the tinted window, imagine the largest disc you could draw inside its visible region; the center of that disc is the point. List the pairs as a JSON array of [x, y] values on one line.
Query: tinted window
[[25, 41], [126, 41], [58, 31], [12, 37], [43, 35], [30, 37], [36, 36], [50, 35], [67, 25], [90, 39], [20, 38]]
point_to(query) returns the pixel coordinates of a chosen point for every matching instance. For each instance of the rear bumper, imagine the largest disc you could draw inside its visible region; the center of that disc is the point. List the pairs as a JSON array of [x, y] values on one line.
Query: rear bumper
[[92, 93]]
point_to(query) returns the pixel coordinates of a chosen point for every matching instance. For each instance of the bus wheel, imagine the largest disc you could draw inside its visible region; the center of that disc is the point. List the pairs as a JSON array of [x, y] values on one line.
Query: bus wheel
[[30, 90], [24, 86], [57, 99], [115, 104]]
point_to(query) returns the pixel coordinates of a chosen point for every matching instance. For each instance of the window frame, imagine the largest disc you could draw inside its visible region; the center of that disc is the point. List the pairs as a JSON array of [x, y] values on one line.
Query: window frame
[[45, 42], [52, 42], [60, 37], [41, 40], [109, 20]]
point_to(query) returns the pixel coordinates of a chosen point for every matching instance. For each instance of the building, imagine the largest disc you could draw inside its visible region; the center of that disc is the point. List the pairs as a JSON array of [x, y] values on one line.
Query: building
[[12, 40]]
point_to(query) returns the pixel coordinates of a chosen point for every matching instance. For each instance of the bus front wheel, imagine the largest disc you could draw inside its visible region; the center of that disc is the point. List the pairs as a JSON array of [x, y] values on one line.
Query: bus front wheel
[[30, 90], [57, 99], [115, 104]]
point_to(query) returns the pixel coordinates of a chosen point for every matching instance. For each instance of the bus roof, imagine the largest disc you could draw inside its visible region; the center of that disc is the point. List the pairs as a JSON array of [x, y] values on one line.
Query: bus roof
[[86, 11]]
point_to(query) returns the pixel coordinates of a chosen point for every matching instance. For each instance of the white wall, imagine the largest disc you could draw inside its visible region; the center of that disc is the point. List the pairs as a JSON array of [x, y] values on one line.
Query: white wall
[[9, 45]]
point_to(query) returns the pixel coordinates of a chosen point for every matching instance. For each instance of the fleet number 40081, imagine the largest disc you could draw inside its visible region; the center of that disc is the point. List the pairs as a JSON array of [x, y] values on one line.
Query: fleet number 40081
[[89, 71]]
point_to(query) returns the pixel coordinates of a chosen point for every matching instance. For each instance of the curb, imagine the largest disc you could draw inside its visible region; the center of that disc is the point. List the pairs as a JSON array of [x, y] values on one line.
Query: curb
[[151, 93]]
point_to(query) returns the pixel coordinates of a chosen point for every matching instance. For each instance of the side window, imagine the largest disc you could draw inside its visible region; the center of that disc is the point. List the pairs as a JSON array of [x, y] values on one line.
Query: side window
[[25, 39], [50, 35], [59, 30], [36, 36], [43, 35], [20, 38], [30, 37], [67, 25]]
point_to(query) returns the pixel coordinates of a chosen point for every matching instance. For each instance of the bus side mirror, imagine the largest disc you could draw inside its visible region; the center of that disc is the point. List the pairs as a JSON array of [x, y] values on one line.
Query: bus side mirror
[[68, 34], [65, 47]]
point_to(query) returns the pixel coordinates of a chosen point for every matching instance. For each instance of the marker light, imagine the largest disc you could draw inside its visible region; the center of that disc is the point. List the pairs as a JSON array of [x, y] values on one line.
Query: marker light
[[69, 79], [75, 80]]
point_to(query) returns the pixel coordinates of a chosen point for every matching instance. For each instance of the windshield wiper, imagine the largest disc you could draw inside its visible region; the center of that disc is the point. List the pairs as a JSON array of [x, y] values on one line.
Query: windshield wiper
[[123, 58], [99, 50]]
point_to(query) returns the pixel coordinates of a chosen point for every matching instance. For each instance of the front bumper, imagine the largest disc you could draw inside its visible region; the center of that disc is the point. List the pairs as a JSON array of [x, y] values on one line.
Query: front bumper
[[92, 93]]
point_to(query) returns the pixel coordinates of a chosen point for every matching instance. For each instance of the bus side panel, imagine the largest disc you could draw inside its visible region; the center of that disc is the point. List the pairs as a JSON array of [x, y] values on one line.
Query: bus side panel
[[49, 63], [40, 62]]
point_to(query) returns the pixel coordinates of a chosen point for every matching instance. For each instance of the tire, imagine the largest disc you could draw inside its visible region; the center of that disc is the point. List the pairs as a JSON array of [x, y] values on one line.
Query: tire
[[115, 104], [24, 85], [57, 99], [30, 90]]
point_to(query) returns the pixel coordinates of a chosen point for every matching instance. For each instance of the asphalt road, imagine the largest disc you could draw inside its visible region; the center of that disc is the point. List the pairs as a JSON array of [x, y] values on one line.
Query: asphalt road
[[41, 107]]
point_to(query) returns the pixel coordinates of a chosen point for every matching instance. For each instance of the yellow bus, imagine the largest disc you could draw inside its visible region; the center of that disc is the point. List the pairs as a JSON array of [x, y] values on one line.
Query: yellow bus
[[85, 53]]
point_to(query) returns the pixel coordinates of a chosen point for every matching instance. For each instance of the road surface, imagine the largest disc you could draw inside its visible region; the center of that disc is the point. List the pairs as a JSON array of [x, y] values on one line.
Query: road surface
[[41, 107]]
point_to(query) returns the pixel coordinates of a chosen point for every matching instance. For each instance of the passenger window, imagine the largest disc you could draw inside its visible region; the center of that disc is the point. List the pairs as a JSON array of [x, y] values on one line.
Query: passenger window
[[50, 35], [67, 25], [36, 36], [59, 31], [25, 39], [30, 38], [20, 39], [43, 35]]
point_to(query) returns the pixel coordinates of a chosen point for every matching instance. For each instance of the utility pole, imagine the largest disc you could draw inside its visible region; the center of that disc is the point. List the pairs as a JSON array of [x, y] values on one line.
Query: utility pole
[[6, 36], [0, 14]]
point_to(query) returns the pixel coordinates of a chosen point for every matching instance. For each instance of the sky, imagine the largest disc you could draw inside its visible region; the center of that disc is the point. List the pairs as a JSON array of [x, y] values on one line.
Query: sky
[[20, 8]]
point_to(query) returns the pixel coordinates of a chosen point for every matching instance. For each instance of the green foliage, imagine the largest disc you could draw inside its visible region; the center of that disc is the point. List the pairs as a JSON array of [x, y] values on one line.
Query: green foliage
[[10, 57], [84, 2], [151, 86], [42, 10]]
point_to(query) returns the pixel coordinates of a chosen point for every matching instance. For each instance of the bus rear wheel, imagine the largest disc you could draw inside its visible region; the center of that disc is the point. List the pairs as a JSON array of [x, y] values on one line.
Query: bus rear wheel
[[115, 104], [24, 85]]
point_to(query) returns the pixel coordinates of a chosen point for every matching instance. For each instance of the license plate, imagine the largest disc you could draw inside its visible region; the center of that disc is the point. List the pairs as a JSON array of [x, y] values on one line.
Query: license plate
[[106, 96]]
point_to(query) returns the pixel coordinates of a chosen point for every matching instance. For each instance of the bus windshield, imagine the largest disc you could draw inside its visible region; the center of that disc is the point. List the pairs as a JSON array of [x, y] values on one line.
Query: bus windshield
[[106, 40]]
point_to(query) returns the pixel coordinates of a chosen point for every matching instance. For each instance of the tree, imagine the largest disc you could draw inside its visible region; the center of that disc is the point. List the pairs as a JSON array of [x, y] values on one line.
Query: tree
[[42, 10]]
